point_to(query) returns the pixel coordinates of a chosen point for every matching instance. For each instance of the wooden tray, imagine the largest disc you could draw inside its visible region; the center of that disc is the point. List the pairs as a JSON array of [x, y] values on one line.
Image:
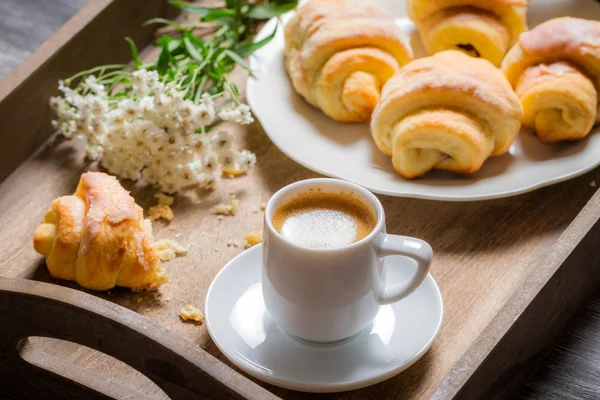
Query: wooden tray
[[513, 272]]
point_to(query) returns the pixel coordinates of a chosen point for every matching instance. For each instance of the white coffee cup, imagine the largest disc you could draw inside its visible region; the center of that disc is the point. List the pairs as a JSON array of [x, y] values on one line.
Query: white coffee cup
[[326, 295]]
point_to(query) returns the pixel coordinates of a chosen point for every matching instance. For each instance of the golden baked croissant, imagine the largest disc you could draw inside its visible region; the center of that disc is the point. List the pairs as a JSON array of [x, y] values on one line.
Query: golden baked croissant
[[99, 238], [481, 28], [554, 69], [339, 53], [449, 111]]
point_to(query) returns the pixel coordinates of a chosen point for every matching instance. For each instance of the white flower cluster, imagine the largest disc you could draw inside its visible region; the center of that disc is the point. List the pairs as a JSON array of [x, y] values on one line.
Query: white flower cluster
[[152, 132]]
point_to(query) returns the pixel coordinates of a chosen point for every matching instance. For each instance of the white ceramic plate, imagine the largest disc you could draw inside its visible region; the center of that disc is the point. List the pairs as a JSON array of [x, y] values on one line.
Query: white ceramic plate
[[240, 326], [346, 151]]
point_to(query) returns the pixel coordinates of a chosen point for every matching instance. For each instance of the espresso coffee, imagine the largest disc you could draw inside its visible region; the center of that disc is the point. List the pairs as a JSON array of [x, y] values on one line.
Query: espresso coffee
[[322, 220]]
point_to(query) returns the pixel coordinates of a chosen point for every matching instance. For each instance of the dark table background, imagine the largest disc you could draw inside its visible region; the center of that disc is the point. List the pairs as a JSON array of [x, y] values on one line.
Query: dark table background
[[571, 371]]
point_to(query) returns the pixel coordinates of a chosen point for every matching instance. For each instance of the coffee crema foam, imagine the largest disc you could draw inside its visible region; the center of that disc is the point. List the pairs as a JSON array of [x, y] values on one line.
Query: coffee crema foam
[[323, 220]]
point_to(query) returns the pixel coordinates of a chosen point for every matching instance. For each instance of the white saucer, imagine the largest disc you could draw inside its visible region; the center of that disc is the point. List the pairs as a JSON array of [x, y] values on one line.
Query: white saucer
[[240, 326]]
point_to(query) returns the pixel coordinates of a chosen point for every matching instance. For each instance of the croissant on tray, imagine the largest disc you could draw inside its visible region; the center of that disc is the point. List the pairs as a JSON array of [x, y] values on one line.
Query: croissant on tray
[[480, 28], [554, 69], [339, 53], [99, 238], [448, 111]]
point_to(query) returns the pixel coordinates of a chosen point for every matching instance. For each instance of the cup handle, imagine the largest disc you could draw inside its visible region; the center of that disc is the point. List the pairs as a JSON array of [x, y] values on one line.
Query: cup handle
[[418, 250]]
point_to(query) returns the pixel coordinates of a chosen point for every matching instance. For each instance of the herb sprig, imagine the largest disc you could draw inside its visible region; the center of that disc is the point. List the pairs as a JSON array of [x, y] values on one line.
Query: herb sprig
[[140, 120], [197, 65]]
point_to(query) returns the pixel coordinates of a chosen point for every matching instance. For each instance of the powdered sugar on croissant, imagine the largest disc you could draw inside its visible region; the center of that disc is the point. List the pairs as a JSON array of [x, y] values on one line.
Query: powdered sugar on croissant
[[449, 111], [99, 238], [339, 53], [554, 69]]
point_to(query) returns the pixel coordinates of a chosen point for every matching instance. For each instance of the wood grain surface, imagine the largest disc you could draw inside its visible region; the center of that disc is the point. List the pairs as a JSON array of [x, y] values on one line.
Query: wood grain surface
[[26, 24], [524, 330], [174, 364], [482, 253], [476, 267], [572, 369]]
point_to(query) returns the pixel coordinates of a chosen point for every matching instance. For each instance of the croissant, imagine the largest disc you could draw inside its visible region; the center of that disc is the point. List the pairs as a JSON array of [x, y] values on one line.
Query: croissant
[[554, 69], [99, 238], [339, 53], [481, 28], [448, 111]]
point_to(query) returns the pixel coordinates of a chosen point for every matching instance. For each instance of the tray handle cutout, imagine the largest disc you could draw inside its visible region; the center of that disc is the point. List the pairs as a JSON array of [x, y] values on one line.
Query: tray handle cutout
[[178, 367]]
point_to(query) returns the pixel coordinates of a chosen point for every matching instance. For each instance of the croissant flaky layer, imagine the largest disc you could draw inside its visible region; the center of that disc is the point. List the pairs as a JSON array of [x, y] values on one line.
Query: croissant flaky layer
[[554, 69], [339, 53], [449, 111], [481, 28], [99, 238]]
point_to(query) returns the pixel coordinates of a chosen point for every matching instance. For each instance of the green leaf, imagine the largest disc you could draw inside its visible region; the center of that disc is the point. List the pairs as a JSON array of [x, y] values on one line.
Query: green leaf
[[237, 59], [282, 2], [120, 95], [162, 64], [222, 30], [246, 48], [191, 49], [134, 52], [173, 45], [191, 8], [163, 41], [197, 41], [164, 21], [219, 54], [216, 14], [271, 11]]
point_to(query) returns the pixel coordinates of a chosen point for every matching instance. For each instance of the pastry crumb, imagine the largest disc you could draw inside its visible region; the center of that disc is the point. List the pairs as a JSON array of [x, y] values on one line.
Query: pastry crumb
[[163, 199], [233, 173], [253, 238], [263, 206], [233, 243], [169, 249], [139, 300], [226, 209], [172, 228], [191, 313], [178, 235], [593, 184], [159, 211]]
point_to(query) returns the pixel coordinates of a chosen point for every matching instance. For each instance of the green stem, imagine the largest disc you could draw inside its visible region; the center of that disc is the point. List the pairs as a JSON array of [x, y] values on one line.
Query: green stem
[[200, 89], [115, 75], [192, 83], [92, 70]]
